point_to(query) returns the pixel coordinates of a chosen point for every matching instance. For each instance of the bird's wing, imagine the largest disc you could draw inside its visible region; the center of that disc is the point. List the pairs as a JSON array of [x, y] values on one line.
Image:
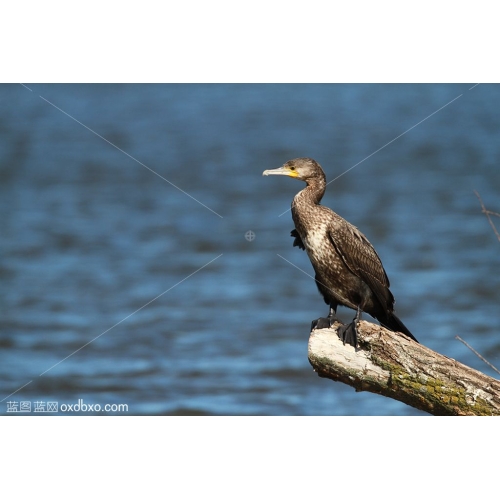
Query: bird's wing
[[297, 242], [361, 258]]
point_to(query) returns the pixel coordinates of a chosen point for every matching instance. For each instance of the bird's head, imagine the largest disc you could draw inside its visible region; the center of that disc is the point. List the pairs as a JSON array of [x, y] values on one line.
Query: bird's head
[[299, 168]]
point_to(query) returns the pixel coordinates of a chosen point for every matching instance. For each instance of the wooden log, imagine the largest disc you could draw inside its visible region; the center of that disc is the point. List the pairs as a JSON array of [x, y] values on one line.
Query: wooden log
[[390, 364]]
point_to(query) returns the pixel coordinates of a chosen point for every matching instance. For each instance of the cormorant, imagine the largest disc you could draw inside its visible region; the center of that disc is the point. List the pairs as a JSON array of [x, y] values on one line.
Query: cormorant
[[348, 270]]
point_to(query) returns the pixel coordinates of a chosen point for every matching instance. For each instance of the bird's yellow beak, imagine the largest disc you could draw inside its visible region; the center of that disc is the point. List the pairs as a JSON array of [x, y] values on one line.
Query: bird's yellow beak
[[284, 170]]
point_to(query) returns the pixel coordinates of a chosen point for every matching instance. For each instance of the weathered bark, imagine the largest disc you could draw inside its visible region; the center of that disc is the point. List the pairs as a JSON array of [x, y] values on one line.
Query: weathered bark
[[392, 365]]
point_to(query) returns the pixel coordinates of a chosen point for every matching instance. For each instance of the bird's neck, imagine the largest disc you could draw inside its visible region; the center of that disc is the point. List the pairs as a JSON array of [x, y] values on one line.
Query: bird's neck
[[313, 192], [305, 202]]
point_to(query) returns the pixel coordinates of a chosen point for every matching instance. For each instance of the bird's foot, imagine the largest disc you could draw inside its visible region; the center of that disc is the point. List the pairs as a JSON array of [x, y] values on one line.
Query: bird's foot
[[349, 333], [321, 323]]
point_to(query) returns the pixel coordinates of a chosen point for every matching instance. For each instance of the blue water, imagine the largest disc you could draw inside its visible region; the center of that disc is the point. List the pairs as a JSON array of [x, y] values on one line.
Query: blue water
[[90, 235]]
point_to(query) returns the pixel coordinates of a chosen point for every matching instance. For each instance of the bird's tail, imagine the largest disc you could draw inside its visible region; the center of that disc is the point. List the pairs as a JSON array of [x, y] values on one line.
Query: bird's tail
[[392, 322]]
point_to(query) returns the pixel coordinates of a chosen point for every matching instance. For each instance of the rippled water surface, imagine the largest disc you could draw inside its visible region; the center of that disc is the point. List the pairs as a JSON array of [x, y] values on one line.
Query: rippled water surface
[[126, 277]]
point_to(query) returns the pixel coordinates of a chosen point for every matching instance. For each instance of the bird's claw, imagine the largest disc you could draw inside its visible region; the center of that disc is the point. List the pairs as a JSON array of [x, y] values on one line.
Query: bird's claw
[[349, 333], [321, 323]]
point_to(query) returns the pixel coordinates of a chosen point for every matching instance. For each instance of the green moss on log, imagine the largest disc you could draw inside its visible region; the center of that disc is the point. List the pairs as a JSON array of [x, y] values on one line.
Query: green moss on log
[[439, 394]]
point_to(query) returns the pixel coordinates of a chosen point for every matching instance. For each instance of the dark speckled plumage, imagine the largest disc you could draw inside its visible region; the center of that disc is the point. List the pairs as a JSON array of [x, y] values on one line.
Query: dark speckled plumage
[[348, 270]]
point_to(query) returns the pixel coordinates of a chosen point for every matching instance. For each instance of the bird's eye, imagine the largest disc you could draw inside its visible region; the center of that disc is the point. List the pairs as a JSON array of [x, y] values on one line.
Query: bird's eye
[[292, 168]]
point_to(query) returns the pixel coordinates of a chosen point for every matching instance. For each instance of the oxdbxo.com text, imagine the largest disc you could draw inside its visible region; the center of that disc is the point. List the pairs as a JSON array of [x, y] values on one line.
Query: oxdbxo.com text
[[87, 407]]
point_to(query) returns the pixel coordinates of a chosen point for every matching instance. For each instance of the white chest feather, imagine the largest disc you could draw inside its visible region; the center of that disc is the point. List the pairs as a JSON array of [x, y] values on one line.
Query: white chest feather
[[317, 244]]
